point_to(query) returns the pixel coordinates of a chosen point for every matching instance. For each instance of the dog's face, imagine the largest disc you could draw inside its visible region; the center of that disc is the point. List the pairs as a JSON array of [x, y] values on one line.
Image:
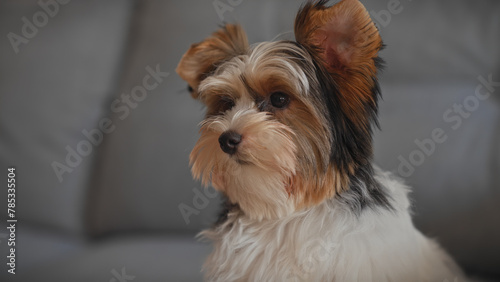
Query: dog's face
[[288, 123]]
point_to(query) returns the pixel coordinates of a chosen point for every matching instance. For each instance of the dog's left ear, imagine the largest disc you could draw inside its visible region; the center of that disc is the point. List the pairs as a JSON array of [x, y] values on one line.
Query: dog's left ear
[[343, 35], [203, 58], [345, 41]]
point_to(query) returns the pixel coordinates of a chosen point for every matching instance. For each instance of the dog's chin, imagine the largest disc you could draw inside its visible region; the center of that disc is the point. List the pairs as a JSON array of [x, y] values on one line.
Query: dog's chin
[[260, 192]]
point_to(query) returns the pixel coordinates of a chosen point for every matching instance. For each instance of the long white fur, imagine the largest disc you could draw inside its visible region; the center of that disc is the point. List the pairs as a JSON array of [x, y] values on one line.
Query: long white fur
[[329, 243]]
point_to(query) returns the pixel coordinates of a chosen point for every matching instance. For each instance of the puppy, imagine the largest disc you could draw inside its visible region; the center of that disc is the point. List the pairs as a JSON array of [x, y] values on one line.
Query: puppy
[[287, 139]]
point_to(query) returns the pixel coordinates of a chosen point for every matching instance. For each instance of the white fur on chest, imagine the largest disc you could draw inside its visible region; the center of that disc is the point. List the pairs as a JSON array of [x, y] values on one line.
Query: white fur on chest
[[329, 243]]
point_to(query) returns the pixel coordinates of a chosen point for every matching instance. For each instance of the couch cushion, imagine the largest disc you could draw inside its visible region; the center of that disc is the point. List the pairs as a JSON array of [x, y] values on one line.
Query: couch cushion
[[144, 180], [451, 162], [148, 258], [51, 89], [438, 40], [37, 245]]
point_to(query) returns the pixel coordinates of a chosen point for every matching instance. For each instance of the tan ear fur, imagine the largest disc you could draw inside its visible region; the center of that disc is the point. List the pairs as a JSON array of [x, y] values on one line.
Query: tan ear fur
[[202, 58], [344, 33]]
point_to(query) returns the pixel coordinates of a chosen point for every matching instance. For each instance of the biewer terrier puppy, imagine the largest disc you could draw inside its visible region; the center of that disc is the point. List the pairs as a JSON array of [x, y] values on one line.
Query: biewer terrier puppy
[[287, 139]]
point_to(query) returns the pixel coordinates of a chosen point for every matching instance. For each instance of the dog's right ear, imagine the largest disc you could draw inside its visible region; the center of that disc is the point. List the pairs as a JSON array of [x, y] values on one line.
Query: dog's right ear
[[203, 58]]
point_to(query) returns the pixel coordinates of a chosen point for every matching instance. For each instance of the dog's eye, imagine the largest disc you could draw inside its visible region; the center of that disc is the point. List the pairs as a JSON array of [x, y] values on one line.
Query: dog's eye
[[225, 103], [279, 100]]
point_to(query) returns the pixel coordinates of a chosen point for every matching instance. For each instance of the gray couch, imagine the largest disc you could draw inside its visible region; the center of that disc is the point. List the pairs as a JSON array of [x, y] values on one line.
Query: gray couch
[[104, 191]]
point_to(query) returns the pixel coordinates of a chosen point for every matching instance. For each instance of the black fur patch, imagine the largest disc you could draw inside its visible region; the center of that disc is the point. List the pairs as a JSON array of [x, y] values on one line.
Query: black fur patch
[[353, 146], [365, 192]]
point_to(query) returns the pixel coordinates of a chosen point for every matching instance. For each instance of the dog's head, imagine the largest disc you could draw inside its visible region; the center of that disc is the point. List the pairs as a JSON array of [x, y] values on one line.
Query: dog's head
[[288, 123]]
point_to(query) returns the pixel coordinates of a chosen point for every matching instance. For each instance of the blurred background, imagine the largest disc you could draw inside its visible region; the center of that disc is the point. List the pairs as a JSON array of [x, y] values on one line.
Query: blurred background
[[99, 128]]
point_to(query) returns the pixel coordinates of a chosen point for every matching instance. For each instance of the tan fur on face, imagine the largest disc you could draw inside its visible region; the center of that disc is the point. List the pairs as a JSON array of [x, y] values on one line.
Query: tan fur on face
[[257, 175]]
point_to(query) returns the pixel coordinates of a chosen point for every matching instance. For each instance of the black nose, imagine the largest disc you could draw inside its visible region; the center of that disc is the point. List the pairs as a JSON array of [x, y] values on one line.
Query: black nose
[[229, 141]]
